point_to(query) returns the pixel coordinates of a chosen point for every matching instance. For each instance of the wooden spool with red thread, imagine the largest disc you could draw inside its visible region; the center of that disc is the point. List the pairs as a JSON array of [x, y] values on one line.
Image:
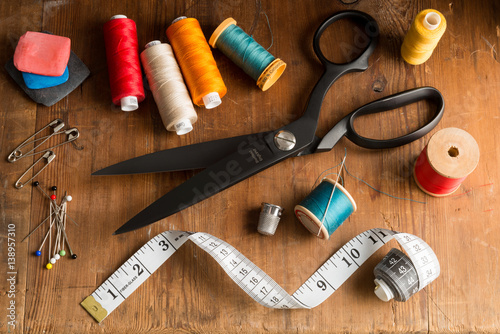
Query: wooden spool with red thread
[[449, 157]]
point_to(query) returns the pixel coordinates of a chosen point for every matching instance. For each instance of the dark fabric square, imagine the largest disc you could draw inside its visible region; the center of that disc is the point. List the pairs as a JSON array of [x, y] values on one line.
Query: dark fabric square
[[78, 72]]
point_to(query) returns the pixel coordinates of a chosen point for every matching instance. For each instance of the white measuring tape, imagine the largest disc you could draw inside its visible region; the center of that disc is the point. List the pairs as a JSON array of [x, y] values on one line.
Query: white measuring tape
[[256, 283]]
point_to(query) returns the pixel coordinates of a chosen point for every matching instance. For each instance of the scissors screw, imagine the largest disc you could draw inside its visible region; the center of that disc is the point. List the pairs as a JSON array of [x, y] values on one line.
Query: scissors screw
[[285, 140]]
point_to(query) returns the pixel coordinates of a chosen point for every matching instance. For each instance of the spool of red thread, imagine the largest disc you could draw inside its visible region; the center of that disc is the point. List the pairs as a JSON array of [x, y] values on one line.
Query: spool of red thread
[[449, 157], [124, 68]]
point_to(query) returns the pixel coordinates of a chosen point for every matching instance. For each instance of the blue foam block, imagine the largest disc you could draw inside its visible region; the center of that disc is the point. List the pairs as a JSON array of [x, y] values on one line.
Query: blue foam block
[[36, 81]]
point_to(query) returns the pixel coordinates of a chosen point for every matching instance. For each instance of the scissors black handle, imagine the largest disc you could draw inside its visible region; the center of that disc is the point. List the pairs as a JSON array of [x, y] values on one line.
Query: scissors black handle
[[333, 71], [346, 125], [370, 30]]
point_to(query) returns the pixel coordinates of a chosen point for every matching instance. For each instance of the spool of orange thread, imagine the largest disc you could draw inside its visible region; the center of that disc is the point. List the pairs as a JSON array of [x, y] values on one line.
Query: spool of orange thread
[[196, 61], [449, 157]]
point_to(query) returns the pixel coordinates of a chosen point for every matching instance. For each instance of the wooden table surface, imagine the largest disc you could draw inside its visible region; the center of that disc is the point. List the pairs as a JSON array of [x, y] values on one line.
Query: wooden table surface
[[191, 293]]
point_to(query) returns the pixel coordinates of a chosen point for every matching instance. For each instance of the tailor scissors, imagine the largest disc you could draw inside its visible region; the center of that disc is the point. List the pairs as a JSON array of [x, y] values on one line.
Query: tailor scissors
[[229, 161]]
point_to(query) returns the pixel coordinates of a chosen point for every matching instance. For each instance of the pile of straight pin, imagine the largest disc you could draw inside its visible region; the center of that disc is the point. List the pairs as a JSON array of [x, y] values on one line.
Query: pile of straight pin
[[55, 238]]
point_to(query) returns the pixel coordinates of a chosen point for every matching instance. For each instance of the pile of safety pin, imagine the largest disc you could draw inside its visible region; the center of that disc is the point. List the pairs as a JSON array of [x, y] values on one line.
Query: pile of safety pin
[[57, 127], [56, 233]]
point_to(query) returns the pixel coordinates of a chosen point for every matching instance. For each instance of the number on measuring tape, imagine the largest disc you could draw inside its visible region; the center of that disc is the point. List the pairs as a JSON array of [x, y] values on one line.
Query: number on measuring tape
[[133, 273], [255, 282]]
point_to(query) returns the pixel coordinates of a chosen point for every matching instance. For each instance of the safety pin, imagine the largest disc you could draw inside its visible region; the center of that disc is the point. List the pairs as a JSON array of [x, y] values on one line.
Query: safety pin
[[56, 125], [72, 135], [49, 156]]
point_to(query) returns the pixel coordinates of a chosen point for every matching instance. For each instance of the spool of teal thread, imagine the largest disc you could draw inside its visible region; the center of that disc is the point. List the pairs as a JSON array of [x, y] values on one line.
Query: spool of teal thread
[[249, 55], [311, 210]]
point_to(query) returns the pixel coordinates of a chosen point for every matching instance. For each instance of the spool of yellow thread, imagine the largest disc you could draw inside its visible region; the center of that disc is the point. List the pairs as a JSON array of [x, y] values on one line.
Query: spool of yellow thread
[[196, 62], [423, 36]]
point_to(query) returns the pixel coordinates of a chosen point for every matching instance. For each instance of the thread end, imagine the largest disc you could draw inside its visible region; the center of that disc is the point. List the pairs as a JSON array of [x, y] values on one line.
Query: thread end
[[119, 16], [129, 103], [432, 20], [152, 43], [211, 100], [219, 30], [178, 19], [183, 126], [311, 222], [271, 74]]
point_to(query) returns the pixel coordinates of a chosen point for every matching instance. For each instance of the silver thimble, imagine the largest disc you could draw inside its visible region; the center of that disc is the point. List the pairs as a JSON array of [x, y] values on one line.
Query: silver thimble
[[269, 218]]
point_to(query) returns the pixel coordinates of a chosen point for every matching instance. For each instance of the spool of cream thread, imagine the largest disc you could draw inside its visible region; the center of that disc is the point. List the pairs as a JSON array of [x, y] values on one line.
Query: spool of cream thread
[[212, 99], [168, 88]]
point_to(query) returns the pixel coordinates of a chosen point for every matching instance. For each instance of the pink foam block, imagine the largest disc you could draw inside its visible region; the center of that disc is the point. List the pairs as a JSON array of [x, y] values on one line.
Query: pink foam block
[[42, 54]]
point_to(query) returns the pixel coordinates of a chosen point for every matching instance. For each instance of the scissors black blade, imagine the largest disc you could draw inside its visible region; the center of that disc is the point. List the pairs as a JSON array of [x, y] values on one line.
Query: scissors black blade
[[182, 158], [250, 158]]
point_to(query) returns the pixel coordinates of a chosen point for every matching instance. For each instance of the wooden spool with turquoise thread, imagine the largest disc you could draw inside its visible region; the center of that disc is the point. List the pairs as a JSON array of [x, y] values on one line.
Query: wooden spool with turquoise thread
[[311, 210], [265, 69]]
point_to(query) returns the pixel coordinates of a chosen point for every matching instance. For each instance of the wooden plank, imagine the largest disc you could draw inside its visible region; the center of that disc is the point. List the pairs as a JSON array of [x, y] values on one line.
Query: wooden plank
[[17, 122], [190, 292]]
